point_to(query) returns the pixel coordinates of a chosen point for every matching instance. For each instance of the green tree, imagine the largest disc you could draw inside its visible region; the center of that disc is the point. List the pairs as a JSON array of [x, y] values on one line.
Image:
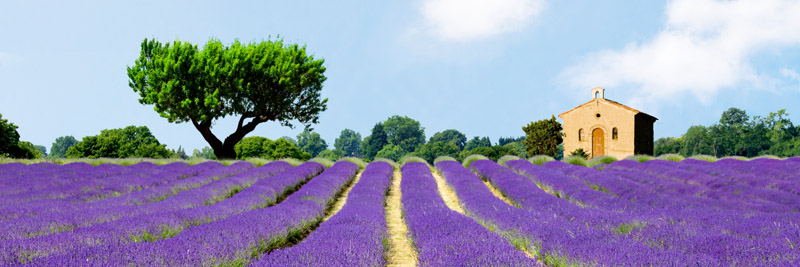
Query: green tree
[[41, 149], [9, 138], [697, 141], [491, 152], [518, 148], [431, 150], [374, 142], [734, 116], [260, 82], [253, 147], [349, 142], [205, 152], [180, 153], [126, 142], [542, 137], [311, 142], [450, 136], [333, 155], [667, 145], [283, 148], [477, 142], [391, 151], [404, 132], [60, 146], [505, 140]]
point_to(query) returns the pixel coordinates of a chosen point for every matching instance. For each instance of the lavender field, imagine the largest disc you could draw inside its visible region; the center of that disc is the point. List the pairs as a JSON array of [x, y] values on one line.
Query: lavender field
[[656, 213]]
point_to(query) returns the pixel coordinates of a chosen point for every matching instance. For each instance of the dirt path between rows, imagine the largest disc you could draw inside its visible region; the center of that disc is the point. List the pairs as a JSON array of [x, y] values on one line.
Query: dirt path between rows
[[400, 253], [448, 195], [500, 195], [337, 206]]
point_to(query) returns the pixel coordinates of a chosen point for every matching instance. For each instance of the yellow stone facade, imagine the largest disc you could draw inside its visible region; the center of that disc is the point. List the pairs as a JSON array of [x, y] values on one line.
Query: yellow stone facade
[[605, 127]]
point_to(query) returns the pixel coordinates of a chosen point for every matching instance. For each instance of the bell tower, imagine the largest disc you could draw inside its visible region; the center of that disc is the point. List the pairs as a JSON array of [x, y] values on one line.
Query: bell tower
[[597, 92]]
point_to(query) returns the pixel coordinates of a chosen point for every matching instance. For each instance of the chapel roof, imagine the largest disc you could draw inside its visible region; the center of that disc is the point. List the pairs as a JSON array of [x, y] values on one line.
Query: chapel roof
[[615, 103]]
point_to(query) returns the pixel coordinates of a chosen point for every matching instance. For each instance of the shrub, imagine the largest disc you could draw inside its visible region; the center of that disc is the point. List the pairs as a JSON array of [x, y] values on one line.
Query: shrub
[[326, 162], [581, 153], [540, 159], [443, 158], [640, 158], [358, 161], [605, 159], [704, 158], [502, 160], [671, 157], [576, 160], [469, 159]]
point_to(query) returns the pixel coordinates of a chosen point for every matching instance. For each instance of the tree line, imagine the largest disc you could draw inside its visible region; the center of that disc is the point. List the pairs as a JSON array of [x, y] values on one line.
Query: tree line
[[737, 134]]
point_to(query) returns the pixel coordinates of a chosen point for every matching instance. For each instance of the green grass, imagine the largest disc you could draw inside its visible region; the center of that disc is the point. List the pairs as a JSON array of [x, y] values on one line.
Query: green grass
[[502, 160], [444, 158], [474, 157], [601, 160], [540, 159], [671, 157], [704, 158], [626, 228], [640, 158], [292, 161], [736, 158], [258, 161], [326, 162], [576, 160]]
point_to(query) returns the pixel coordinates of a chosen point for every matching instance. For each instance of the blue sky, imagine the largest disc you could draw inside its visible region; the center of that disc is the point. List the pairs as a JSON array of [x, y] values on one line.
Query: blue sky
[[484, 67]]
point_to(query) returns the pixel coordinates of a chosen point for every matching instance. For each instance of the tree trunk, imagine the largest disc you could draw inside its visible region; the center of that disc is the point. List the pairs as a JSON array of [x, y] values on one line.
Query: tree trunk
[[225, 151]]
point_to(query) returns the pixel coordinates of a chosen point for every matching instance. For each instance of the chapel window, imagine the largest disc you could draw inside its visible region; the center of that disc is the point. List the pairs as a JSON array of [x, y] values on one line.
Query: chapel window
[[580, 134], [614, 133]]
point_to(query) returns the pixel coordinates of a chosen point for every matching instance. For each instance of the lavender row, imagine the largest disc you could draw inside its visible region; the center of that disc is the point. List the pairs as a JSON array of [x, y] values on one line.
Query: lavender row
[[445, 237], [162, 225], [764, 174], [60, 217], [20, 178], [689, 224], [231, 241], [352, 237], [87, 191], [573, 240], [724, 187]]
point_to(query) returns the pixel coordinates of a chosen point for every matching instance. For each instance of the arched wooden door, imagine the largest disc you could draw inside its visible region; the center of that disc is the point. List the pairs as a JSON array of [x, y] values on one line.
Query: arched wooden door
[[598, 142]]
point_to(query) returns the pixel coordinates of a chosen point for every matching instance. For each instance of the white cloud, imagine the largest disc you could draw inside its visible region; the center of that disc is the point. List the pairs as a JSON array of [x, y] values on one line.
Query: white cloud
[[466, 20], [790, 74], [705, 46]]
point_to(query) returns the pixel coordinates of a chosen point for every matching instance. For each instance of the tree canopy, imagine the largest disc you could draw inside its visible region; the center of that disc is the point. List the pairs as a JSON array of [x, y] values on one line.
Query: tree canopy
[[11, 146], [311, 142], [348, 143], [262, 147], [450, 136], [125, 142], [60, 146], [404, 132], [477, 142], [9, 138], [542, 137], [374, 142], [737, 134], [258, 81]]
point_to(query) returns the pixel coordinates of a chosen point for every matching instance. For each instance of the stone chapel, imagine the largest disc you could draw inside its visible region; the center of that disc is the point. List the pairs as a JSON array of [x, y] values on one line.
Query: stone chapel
[[605, 127]]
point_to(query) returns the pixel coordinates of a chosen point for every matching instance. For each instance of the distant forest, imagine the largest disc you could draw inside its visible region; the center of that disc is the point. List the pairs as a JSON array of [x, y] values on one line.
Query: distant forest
[[737, 134]]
